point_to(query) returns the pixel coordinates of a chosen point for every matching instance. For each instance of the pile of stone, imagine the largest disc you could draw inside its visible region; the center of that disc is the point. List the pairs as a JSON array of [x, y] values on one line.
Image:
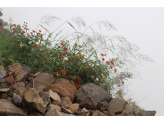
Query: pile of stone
[[25, 94]]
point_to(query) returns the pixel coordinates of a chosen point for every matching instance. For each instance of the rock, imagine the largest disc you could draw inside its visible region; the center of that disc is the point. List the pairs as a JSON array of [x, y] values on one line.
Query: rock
[[102, 106], [55, 102], [4, 89], [87, 103], [64, 104], [84, 110], [67, 100], [37, 99], [36, 74], [98, 113], [52, 107], [4, 96], [17, 99], [129, 111], [123, 113], [41, 82], [140, 114], [54, 96], [2, 80], [74, 107], [64, 88], [53, 113], [78, 112], [19, 88], [108, 113], [10, 79], [116, 105], [2, 74], [65, 110], [66, 114], [9, 98], [1, 63], [20, 83], [20, 71], [29, 78], [36, 114], [4, 85], [1, 68], [96, 93], [148, 113], [7, 108]]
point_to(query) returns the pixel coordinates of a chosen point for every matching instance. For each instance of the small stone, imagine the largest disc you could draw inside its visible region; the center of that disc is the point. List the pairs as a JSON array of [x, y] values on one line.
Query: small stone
[[53, 113], [2, 74], [78, 112], [55, 102], [67, 100], [17, 99], [4, 96], [74, 107], [52, 107], [2, 80], [29, 78], [54, 95], [65, 110], [102, 106], [84, 110], [9, 80], [26, 82], [64, 104], [4, 89]]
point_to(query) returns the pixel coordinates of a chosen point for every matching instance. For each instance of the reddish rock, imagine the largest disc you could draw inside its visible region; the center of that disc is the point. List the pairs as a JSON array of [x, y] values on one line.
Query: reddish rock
[[10, 79], [7, 108], [64, 88]]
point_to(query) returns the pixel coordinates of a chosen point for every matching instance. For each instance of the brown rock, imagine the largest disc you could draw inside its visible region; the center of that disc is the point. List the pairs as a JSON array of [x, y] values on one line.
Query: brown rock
[[52, 107], [74, 107], [64, 104], [19, 71], [4, 96], [54, 96], [148, 113], [55, 102], [10, 79], [7, 108], [98, 113], [65, 110], [108, 113], [53, 113], [4, 85], [129, 111], [67, 100], [96, 93], [87, 103], [64, 88], [41, 82], [116, 105], [37, 99], [1, 68], [102, 106]]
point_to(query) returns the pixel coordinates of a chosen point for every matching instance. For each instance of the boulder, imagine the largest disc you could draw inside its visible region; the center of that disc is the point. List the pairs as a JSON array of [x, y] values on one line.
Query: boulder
[[41, 82], [19, 71], [94, 92], [102, 106], [148, 113], [64, 88], [116, 105], [87, 103], [37, 99], [7, 108]]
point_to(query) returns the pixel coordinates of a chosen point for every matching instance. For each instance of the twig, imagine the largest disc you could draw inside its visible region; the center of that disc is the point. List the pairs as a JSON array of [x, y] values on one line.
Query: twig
[[33, 82]]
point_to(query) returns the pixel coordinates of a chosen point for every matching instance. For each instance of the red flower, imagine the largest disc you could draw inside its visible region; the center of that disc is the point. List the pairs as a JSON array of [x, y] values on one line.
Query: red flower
[[62, 44], [121, 77], [79, 79], [14, 28], [136, 106], [75, 44], [39, 30], [47, 53], [31, 33], [55, 73], [107, 62], [102, 54], [122, 82], [79, 52], [77, 86], [115, 70], [34, 45], [70, 76], [112, 63], [5, 36], [33, 30], [80, 46], [20, 42], [23, 32], [7, 53], [103, 59], [14, 25], [111, 67], [65, 48]]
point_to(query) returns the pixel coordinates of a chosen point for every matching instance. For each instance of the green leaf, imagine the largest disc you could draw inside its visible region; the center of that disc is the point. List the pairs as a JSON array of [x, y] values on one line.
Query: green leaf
[[71, 25]]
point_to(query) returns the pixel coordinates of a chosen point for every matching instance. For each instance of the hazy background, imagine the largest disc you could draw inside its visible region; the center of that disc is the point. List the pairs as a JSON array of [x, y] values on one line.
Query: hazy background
[[141, 26]]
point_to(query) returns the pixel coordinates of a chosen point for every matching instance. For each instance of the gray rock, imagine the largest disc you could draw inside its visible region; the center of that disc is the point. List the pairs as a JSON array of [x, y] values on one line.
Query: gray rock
[[17, 99], [102, 106], [64, 104], [2, 74], [2, 80], [148, 113], [52, 107]]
